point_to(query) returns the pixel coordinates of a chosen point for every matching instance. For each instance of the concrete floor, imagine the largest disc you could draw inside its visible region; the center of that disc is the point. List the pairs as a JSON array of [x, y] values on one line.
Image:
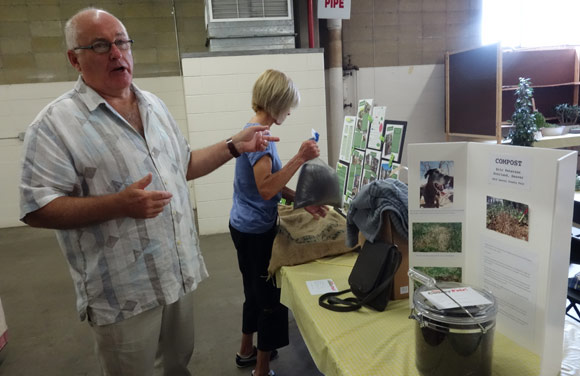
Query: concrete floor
[[47, 338]]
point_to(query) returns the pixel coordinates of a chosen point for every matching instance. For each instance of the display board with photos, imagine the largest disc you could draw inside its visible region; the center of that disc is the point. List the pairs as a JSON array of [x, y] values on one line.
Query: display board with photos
[[498, 217], [371, 148]]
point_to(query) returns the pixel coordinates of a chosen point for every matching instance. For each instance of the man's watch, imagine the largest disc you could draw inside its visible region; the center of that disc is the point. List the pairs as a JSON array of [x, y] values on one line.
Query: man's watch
[[233, 151]]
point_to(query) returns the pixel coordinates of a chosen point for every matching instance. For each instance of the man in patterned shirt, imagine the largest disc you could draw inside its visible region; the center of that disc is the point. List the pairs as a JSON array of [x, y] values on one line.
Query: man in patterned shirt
[[107, 167]]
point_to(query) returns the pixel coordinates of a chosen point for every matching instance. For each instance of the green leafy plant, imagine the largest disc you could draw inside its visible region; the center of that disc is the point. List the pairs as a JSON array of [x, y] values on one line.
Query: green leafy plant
[[567, 114], [523, 119], [541, 121]]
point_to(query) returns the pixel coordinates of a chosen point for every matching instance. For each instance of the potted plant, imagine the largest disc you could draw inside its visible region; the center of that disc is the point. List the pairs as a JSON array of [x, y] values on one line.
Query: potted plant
[[523, 119], [567, 114], [545, 128]]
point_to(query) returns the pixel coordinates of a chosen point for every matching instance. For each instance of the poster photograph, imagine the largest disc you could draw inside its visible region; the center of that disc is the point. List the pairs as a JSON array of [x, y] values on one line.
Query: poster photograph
[[368, 176], [394, 139], [346, 205], [375, 137], [363, 121], [441, 274], [436, 187], [388, 146], [346, 141], [441, 237], [355, 173], [389, 170], [371, 166], [342, 173], [372, 160], [507, 217]]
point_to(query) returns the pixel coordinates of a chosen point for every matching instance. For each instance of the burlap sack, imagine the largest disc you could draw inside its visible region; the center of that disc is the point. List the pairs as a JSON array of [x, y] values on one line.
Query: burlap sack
[[301, 238]]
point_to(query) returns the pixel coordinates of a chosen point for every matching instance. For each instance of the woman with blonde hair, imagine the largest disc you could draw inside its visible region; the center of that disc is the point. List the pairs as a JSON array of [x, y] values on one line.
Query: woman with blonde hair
[[259, 184]]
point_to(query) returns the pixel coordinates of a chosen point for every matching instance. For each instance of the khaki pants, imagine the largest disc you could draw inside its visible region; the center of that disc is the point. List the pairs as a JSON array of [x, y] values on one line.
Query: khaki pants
[[156, 342]]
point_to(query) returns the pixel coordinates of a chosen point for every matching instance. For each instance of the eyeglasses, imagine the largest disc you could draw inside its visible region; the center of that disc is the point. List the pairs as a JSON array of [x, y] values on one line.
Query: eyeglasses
[[102, 47]]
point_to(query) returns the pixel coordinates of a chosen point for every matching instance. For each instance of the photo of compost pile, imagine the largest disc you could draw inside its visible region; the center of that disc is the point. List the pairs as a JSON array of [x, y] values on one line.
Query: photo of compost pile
[[507, 217], [441, 274], [437, 237]]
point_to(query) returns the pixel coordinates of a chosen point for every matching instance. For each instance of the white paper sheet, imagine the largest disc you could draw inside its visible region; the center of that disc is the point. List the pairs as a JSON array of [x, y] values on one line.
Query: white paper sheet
[[376, 129], [321, 286], [466, 296], [511, 170]]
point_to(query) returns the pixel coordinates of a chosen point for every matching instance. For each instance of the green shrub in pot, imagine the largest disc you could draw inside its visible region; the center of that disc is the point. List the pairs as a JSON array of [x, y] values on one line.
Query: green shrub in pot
[[541, 121], [568, 114]]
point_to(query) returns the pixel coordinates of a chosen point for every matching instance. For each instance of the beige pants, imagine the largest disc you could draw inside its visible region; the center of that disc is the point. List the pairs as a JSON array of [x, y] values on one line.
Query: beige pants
[[156, 342]]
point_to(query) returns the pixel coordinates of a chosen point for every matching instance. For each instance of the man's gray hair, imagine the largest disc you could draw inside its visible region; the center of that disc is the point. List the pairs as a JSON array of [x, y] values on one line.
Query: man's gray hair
[[70, 28]]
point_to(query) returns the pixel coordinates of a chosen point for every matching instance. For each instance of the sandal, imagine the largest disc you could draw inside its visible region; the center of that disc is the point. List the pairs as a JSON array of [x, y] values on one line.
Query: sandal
[[271, 373], [250, 360]]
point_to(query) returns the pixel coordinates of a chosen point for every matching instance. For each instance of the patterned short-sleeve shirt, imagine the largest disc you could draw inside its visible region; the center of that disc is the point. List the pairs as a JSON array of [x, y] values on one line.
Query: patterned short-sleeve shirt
[[80, 146]]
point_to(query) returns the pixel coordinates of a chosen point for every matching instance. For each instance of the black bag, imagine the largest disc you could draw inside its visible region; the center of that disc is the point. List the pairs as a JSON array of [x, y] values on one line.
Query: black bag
[[370, 280]]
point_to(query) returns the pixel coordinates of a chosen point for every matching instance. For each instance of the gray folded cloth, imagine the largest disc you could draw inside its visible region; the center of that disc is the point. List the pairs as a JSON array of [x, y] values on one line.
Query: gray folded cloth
[[365, 213]]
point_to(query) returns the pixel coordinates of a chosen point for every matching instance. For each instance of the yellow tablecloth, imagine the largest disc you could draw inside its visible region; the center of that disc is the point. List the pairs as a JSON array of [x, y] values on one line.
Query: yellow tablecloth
[[366, 342]]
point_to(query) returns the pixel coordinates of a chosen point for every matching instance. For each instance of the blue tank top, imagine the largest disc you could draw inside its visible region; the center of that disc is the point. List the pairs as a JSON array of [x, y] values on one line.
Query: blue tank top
[[250, 212]]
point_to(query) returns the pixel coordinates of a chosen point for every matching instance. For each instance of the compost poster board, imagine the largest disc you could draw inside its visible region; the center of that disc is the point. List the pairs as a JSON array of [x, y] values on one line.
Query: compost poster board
[[498, 217]]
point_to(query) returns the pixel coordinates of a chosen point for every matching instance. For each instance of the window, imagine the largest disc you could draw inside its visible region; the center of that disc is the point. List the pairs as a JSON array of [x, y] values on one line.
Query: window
[[246, 10], [531, 23]]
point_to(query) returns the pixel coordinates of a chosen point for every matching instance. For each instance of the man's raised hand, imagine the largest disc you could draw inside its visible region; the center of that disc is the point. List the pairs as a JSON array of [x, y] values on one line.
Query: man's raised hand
[[254, 138]]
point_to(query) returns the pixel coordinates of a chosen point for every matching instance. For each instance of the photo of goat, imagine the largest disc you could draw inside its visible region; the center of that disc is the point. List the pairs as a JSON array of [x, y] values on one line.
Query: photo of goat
[[364, 110], [436, 189], [388, 144], [389, 171], [363, 121], [372, 160], [355, 172], [368, 177]]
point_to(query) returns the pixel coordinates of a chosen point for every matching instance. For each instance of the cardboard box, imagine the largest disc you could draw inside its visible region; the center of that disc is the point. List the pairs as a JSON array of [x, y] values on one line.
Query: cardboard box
[[390, 235], [401, 284]]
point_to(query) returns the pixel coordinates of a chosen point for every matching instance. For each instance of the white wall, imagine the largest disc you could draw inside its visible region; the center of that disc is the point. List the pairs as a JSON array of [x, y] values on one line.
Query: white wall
[[415, 94], [218, 102], [19, 105], [218, 93]]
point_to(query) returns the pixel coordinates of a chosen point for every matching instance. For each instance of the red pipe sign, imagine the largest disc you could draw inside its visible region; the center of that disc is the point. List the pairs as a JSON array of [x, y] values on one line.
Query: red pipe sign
[[339, 9]]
